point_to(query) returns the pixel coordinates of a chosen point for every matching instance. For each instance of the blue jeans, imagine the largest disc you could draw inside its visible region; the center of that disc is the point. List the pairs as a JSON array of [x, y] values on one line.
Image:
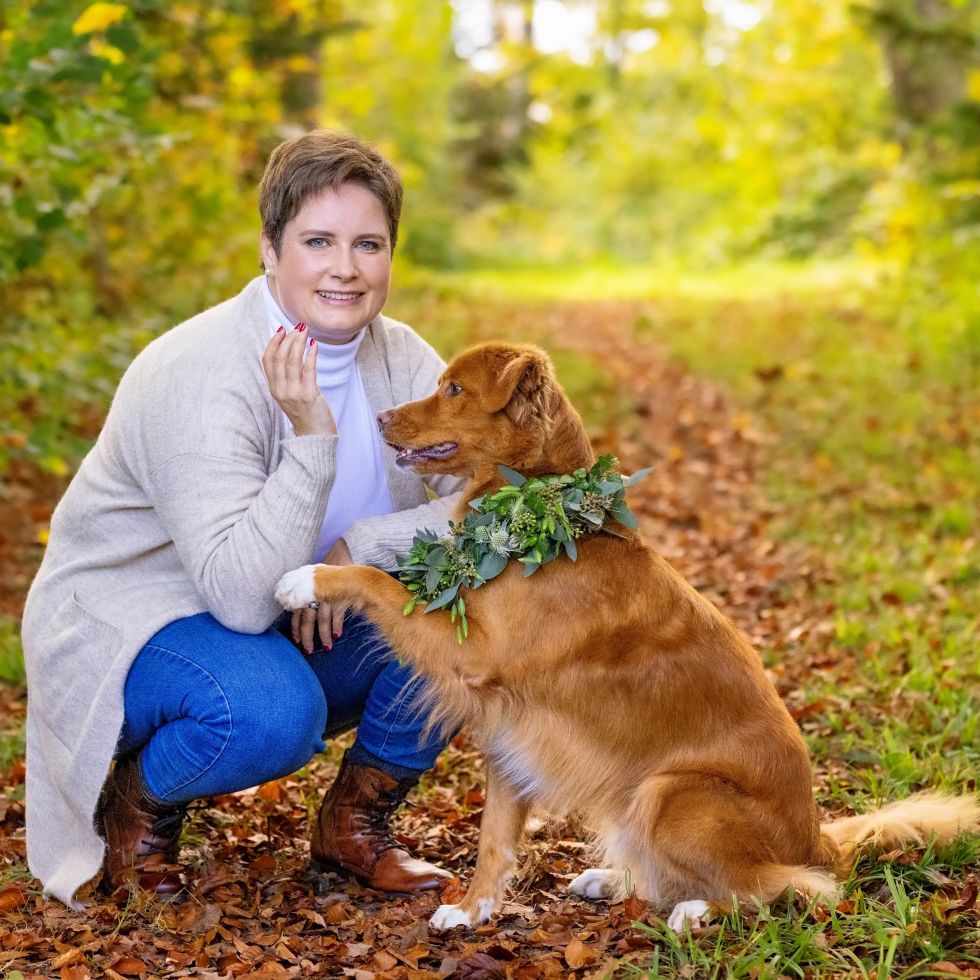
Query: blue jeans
[[213, 711]]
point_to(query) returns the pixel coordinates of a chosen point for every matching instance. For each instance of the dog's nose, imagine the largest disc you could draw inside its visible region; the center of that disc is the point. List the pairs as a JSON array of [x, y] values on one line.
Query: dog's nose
[[384, 418]]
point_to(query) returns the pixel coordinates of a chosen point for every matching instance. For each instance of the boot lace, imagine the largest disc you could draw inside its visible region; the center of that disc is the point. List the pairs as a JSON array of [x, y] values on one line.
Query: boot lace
[[379, 818], [165, 830]]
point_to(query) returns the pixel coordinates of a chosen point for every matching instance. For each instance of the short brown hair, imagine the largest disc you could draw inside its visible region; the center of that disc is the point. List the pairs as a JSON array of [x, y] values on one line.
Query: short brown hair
[[320, 160]]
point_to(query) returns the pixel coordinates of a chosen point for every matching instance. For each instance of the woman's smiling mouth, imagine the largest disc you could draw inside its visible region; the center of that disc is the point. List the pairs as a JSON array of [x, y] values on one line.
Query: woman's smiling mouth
[[338, 297]]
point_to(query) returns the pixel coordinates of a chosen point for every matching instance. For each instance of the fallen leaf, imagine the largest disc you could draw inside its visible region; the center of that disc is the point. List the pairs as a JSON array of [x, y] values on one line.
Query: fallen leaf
[[480, 966], [76, 972], [11, 898], [383, 960], [129, 966], [635, 908], [270, 791], [68, 958], [577, 954]]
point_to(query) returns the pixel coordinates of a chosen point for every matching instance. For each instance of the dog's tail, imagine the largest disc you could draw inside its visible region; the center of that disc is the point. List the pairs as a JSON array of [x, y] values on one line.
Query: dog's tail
[[916, 820]]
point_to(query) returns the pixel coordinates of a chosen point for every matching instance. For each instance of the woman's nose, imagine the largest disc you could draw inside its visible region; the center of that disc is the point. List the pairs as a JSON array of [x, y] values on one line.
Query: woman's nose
[[384, 418], [342, 266]]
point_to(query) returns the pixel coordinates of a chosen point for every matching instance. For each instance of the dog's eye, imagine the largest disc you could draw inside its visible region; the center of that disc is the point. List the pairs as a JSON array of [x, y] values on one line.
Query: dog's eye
[[453, 389]]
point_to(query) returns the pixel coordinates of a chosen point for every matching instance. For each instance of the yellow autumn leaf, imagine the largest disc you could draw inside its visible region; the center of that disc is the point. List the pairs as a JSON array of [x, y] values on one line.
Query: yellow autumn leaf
[[54, 464], [43, 533], [300, 63], [102, 49], [98, 17]]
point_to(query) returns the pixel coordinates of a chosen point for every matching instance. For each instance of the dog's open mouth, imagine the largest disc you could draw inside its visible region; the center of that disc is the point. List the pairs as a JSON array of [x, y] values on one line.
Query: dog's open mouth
[[406, 456]]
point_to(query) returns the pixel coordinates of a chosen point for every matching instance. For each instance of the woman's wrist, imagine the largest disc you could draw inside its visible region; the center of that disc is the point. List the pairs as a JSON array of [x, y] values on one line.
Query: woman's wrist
[[320, 428]]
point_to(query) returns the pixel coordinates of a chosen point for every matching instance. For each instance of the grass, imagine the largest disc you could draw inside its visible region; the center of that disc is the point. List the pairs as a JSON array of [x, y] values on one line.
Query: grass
[[11, 658]]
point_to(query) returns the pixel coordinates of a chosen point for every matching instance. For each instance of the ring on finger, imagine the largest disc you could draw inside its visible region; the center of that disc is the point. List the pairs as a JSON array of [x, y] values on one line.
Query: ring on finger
[[313, 605]]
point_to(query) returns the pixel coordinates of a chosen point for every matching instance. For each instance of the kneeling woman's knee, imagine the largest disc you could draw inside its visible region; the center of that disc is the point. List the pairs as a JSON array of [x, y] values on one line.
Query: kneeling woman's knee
[[288, 726]]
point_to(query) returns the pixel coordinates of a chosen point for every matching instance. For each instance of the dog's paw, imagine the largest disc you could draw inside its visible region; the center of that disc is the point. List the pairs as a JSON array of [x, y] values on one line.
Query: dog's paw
[[688, 914], [595, 883], [450, 916], [295, 588]]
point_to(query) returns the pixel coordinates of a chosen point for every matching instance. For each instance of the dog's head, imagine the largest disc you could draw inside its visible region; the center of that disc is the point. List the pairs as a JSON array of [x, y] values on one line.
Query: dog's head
[[496, 403]]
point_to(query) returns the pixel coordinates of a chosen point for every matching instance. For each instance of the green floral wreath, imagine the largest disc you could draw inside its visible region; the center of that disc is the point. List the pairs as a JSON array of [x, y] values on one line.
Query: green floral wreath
[[532, 521]]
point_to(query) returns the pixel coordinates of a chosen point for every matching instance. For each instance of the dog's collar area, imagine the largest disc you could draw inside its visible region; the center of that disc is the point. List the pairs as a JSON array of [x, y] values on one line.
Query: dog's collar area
[[529, 520]]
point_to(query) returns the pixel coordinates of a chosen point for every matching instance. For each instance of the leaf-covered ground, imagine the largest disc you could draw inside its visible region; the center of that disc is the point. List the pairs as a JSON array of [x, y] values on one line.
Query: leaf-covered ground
[[254, 910]]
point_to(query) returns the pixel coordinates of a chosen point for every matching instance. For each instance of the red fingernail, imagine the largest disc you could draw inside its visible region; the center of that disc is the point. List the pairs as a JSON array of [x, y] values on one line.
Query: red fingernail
[[281, 329], [312, 341], [307, 650], [301, 327], [336, 635], [327, 646]]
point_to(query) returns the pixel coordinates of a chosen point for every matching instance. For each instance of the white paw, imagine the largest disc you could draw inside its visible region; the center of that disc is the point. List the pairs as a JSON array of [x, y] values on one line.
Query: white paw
[[295, 588], [594, 883], [687, 914], [450, 916]]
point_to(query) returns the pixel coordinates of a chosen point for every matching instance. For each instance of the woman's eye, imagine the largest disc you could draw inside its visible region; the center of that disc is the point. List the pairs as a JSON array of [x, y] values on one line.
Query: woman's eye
[[316, 242], [453, 389], [368, 246]]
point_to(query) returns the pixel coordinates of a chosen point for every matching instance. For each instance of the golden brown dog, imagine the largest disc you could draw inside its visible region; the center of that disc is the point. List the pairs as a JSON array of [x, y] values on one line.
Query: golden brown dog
[[606, 685]]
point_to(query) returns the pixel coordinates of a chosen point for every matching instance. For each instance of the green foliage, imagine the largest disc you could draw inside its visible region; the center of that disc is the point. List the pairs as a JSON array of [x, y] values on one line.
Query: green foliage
[[530, 520], [890, 924], [11, 658]]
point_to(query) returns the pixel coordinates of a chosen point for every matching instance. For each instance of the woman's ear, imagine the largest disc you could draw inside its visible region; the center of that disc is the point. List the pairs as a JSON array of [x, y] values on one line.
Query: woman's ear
[[268, 253]]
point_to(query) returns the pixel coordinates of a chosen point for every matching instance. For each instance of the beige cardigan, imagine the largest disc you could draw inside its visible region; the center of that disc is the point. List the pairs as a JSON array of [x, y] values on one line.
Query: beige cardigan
[[193, 499]]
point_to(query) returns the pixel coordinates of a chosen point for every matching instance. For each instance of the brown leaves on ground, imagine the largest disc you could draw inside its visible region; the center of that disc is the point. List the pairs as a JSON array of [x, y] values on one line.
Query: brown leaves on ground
[[256, 911]]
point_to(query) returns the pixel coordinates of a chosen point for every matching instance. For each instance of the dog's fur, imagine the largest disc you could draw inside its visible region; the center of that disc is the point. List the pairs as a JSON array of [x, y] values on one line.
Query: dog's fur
[[607, 686]]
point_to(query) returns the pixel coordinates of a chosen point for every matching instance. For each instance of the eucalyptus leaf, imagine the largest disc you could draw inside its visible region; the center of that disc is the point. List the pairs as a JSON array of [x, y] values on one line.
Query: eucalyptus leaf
[[443, 600], [491, 565], [638, 475], [432, 577], [512, 476], [624, 515]]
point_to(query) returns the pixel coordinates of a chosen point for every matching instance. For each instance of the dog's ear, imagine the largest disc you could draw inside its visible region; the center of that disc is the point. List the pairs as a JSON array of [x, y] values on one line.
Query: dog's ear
[[525, 387]]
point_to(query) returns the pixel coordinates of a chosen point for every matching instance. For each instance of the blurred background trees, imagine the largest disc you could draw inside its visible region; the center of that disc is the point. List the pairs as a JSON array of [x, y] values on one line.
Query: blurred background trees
[[689, 133]]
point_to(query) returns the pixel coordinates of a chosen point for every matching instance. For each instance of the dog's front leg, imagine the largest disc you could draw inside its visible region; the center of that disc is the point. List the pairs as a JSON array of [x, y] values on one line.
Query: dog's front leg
[[428, 642], [500, 832], [367, 589]]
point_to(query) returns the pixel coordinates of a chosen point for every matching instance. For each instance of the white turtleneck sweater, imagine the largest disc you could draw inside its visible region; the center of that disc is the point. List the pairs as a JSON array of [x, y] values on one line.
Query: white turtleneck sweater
[[361, 487]]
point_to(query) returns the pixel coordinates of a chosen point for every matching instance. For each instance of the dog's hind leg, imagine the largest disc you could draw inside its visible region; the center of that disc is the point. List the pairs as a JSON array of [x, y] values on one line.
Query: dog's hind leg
[[500, 832], [711, 843]]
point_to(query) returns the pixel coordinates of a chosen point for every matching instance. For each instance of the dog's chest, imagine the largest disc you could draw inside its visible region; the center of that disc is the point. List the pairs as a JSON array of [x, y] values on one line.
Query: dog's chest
[[523, 767]]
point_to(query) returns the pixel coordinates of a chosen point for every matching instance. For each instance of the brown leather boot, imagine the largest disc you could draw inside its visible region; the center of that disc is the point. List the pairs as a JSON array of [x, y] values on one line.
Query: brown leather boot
[[141, 834], [352, 832]]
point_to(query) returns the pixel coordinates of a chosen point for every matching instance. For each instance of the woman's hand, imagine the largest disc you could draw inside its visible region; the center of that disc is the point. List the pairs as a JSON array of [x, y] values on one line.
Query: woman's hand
[[292, 382], [329, 619]]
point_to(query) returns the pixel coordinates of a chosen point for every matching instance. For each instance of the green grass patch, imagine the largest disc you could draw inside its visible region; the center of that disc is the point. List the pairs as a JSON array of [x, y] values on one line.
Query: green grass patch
[[11, 656]]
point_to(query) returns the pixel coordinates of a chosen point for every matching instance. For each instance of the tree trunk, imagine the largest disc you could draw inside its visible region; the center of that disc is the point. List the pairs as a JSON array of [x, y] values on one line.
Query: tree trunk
[[928, 49]]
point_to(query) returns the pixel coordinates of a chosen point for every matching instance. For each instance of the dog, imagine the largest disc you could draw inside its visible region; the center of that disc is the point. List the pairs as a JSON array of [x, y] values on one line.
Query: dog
[[607, 685]]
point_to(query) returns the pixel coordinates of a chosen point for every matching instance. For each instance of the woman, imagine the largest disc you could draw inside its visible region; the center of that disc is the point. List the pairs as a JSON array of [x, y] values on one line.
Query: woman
[[239, 445]]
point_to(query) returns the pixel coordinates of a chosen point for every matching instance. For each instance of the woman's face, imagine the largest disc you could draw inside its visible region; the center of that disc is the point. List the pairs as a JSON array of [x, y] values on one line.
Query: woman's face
[[334, 265]]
